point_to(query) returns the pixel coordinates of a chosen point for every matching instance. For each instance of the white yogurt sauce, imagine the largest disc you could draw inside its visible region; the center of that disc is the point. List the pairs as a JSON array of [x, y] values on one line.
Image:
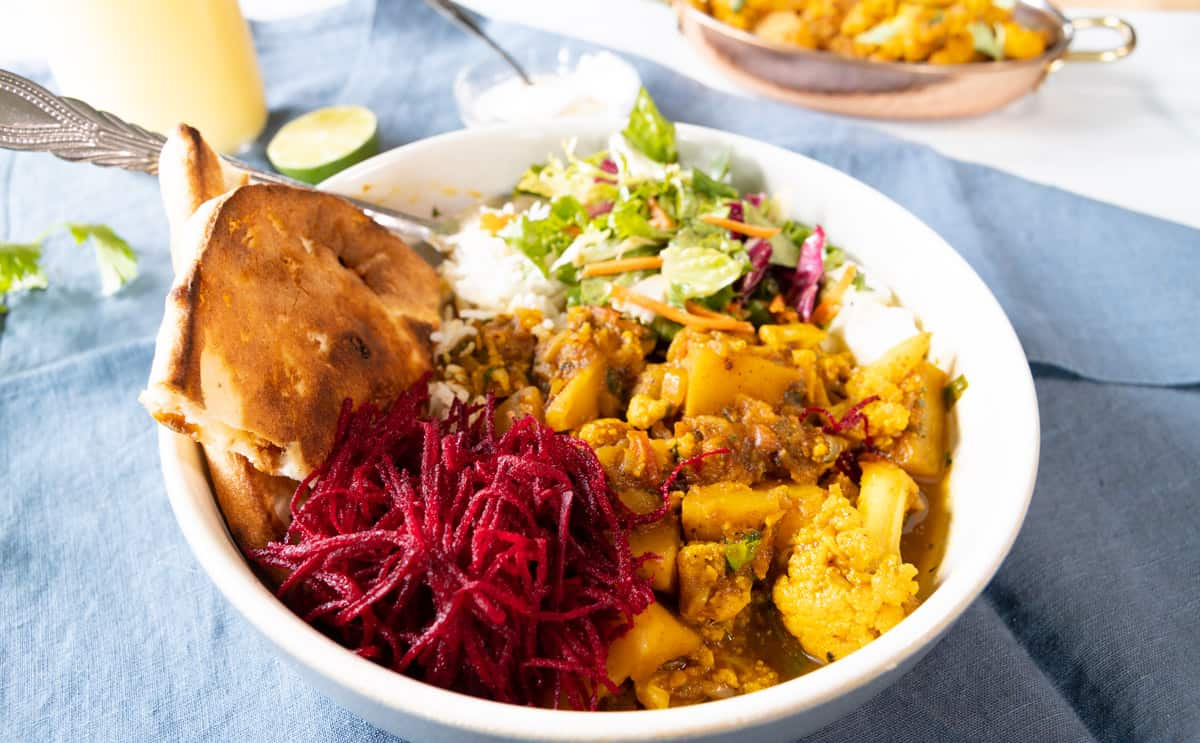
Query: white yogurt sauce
[[600, 84], [870, 322]]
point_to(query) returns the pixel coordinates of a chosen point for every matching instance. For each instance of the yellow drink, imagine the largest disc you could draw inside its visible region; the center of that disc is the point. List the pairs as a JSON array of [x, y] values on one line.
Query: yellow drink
[[161, 62]]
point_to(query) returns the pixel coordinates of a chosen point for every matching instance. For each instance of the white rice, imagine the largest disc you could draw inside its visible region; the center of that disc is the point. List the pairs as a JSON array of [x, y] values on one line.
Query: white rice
[[452, 332], [442, 395], [489, 278]]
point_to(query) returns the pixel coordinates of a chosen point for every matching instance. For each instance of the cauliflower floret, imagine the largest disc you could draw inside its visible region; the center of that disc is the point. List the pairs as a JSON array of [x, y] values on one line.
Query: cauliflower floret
[[843, 587], [890, 378], [644, 411]]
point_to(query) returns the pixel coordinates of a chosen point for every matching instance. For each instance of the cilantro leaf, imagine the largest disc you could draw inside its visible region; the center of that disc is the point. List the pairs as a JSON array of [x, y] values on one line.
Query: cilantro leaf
[[953, 391], [117, 261], [20, 268], [649, 132], [742, 551]]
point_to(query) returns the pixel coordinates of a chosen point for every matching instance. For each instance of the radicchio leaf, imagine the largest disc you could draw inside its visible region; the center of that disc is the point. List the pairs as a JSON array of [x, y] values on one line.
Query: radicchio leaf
[[809, 269], [759, 253], [738, 214], [603, 207]]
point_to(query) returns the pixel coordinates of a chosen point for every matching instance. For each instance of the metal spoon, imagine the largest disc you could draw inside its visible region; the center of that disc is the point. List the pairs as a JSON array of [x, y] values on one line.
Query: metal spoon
[[455, 15], [33, 118]]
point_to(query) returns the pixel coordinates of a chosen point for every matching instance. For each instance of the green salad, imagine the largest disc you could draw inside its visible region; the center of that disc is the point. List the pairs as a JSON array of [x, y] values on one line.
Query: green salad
[[672, 243]]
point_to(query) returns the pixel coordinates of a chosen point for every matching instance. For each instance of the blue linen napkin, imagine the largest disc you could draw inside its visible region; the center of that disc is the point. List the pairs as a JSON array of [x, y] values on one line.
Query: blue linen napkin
[[110, 631]]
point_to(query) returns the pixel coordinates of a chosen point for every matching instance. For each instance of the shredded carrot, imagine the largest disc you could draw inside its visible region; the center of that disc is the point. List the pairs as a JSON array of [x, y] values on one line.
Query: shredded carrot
[[621, 265], [700, 310], [776, 305], [750, 230], [682, 317], [831, 302], [659, 219]]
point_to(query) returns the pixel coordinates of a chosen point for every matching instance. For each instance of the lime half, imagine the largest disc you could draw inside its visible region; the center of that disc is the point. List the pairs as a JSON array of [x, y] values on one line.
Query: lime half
[[323, 142]]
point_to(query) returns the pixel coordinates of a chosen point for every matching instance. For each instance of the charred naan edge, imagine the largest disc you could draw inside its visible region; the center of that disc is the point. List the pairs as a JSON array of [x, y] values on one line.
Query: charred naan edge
[[254, 504], [295, 301], [189, 174]]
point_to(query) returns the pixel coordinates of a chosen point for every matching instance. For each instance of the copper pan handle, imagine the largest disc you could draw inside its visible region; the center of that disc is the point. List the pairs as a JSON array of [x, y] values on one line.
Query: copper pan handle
[[1128, 39]]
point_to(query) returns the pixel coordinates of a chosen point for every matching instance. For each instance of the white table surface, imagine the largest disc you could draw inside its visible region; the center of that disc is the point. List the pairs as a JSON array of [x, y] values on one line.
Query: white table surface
[[1127, 133]]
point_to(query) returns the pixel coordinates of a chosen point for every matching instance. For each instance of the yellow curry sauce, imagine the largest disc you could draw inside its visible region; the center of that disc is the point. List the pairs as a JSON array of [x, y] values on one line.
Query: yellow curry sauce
[[774, 558]]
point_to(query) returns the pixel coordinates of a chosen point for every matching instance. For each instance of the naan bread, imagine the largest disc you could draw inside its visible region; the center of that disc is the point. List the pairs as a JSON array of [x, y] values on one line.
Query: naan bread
[[189, 174], [286, 303], [255, 504]]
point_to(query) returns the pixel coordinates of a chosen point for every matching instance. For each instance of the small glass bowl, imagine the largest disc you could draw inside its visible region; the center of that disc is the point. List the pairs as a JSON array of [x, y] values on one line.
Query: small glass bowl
[[568, 83]]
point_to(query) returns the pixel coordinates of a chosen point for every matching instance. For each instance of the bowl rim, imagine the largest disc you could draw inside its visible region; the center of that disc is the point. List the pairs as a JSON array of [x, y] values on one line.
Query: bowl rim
[[204, 530], [1064, 34]]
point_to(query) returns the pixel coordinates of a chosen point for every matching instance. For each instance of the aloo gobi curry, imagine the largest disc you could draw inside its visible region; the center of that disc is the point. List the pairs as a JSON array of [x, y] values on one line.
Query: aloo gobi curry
[[934, 31], [754, 396]]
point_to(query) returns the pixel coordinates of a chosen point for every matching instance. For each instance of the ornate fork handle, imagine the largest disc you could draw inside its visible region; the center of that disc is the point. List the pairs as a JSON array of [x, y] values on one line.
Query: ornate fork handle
[[33, 118]]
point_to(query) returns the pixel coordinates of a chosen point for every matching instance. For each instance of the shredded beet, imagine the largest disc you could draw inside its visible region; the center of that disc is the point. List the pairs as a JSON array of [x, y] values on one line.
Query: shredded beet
[[756, 198], [494, 565], [608, 166], [737, 213], [850, 419], [665, 506], [847, 461]]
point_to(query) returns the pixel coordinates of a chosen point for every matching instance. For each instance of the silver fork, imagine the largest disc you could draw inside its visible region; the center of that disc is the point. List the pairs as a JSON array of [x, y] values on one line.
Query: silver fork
[[32, 118]]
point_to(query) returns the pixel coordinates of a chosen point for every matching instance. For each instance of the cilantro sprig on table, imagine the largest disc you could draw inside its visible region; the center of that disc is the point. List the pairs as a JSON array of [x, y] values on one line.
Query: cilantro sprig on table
[[20, 263]]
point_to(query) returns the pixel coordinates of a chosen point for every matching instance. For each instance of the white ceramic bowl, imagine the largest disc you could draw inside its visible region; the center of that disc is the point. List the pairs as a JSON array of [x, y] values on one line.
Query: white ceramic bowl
[[995, 450]]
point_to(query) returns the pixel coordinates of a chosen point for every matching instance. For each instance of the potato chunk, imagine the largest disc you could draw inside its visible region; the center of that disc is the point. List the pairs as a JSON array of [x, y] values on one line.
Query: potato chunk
[[655, 638], [727, 509], [579, 400], [522, 403], [714, 382], [921, 450], [663, 540]]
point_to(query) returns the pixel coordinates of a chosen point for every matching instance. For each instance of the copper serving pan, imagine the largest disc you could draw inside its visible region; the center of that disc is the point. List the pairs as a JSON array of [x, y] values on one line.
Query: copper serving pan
[[895, 90]]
